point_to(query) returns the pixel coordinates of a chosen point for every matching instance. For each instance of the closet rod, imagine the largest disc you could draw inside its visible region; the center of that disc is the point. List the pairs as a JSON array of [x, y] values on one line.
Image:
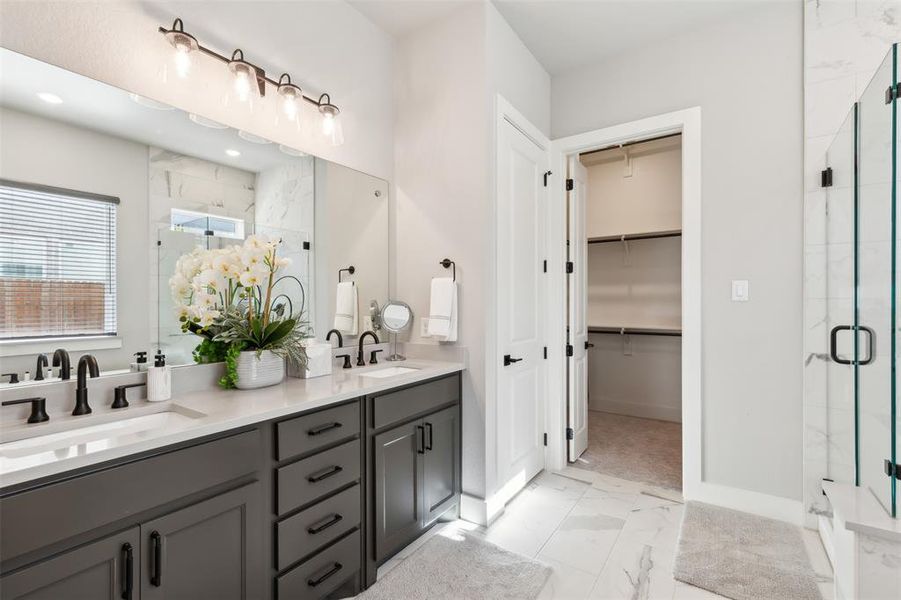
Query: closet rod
[[634, 236], [653, 139], [636, 331]]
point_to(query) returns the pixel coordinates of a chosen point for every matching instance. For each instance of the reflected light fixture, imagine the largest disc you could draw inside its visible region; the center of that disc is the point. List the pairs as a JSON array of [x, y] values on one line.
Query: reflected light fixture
[[50, 98], [184, 44], [249, 82], [331, 124], [233, 153]]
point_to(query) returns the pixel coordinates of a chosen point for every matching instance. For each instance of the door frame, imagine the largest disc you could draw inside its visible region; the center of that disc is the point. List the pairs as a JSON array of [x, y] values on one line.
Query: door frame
[[688, 123]]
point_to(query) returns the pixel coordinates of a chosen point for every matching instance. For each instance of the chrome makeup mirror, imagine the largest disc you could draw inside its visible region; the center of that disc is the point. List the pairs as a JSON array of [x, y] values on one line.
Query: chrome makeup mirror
[[396, 318]]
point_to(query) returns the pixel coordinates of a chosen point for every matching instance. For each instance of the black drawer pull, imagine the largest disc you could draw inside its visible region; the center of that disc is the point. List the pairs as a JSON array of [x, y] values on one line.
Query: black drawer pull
[[420, 440], [314, 582], [313, 530], [129, 571], [323, 428], [156, 573], [324, 474], [428, 427]]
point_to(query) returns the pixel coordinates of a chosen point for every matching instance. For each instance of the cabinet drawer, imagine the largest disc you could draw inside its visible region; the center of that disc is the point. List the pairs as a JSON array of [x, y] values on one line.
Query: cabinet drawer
[[311, 478], [79, 505], [395, 407], [322, 523], [311, 432], [323, 573]]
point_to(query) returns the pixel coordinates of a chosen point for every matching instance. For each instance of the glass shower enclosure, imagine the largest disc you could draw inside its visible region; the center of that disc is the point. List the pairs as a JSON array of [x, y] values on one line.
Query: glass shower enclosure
[[862, 294]]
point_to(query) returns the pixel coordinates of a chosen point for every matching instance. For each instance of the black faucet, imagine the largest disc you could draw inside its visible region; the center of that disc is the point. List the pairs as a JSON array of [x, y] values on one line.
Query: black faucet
[[86, 364], [38, 408], [61, 360], [360, 361], [38, 370], [346, 358], [328, 337]]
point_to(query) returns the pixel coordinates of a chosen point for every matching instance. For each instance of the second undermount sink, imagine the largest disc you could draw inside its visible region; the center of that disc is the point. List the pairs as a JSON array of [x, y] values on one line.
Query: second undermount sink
[[389, 372], [100, 433]]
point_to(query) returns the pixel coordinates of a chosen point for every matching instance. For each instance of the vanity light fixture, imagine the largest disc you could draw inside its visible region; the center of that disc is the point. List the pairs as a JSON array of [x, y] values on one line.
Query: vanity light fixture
[[50, 98], [250, 81]]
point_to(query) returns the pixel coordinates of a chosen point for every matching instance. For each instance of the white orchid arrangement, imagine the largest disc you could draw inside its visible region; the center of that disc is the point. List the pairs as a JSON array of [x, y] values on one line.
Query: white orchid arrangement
[[227, 297]]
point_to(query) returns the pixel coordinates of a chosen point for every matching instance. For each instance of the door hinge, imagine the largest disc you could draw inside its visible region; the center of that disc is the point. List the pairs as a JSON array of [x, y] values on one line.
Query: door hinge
[[545, 353], [826, 177], [821, 487], [569, 266], [545, 439], [892, 469], [569, 185], [570, 434], [545, 266], [569, 349], [891, 93], [546, 175]]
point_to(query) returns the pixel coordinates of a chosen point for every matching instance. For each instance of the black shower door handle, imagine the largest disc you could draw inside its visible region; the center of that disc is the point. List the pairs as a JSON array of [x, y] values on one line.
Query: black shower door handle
[[871, 345]]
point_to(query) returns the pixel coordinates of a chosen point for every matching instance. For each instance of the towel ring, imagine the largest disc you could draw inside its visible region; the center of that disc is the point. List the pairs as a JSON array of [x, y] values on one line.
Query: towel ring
[[350, 270], [447, 263]]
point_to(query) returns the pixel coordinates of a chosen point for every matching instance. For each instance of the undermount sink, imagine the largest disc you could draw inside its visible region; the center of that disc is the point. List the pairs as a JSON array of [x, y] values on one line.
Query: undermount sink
[[100, 434], [389, 372]]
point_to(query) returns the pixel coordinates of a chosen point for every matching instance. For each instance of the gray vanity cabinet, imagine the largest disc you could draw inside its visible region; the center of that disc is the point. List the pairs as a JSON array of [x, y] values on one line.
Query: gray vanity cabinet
[[398, 487], [441, 465], [207, 550], [103, 570]]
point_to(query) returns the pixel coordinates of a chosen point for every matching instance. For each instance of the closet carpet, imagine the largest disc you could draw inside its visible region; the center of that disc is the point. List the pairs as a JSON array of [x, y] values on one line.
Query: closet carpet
[[644, 450]]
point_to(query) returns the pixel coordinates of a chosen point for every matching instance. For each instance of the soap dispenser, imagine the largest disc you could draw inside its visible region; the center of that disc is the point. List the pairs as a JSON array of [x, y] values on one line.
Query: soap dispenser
[[159, 379], [140, 362]]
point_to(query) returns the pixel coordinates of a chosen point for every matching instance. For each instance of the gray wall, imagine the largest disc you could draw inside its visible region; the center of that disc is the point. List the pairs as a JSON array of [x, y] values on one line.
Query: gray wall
[[746, 75]]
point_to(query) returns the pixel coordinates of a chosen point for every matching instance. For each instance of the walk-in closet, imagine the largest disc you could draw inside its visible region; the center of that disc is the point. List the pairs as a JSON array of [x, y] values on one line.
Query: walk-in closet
[[630, 237]]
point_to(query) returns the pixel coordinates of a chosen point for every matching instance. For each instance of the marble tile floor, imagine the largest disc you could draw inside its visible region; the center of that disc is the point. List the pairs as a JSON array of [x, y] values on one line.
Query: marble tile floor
[[605, 538]]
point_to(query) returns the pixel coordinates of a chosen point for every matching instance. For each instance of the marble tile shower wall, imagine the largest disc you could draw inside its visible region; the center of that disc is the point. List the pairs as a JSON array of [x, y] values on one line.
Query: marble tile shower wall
[[844, 43]]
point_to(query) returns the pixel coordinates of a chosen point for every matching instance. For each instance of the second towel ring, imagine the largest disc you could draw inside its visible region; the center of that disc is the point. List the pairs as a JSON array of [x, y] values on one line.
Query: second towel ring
[[350, 270], [447, 263]]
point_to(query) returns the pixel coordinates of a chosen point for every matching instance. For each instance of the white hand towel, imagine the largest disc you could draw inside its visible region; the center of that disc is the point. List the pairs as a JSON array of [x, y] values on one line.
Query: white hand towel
[[443, 310], [346, 314]]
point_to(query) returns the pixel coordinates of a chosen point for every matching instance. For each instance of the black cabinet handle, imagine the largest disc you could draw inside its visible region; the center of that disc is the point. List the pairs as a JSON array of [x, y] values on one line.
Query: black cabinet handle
[[323, 428], [508, 360], [314, 582], [129, 571], [420, 440], [324, 474], [335, 518], [156, 571], [428, 427]]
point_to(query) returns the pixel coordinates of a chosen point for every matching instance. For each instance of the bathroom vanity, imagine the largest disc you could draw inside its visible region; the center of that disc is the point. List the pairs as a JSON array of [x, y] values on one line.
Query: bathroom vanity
[[296, 491]]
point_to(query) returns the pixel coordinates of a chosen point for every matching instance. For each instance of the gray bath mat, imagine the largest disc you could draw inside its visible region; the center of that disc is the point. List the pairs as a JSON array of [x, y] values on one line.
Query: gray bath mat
[[743, 556], [462, 567]]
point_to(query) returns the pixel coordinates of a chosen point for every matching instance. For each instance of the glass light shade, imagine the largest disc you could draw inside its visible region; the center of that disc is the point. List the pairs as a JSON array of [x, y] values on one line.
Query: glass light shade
[[290, 101], [331, 124], [183, 44], [244, 89]]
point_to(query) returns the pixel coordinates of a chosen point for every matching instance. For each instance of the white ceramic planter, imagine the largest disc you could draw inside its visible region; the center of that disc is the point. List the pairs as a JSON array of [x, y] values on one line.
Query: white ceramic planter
[[259, 371]]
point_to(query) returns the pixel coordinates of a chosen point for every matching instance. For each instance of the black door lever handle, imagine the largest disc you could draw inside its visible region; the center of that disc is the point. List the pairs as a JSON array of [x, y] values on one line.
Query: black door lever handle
[[508, 360]]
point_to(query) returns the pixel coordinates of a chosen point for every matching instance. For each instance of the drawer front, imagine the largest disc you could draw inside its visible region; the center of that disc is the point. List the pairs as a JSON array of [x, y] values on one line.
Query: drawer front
[[55, 512], [309, 479], [309, 530], [323, 573], [311, 432], [395, 407]]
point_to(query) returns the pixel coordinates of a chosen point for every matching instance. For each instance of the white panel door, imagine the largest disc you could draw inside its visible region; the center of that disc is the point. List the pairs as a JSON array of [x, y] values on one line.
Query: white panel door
[[521, 206], [577, 406]]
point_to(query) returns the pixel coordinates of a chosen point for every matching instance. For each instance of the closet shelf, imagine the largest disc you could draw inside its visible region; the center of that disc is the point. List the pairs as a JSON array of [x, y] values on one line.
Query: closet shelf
[[662, 331], [650, 235]]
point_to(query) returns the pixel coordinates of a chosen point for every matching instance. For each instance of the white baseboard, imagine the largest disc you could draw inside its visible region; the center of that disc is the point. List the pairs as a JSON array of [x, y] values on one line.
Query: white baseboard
[[764, 505], [824, 525], [633, 409], [474, 510]]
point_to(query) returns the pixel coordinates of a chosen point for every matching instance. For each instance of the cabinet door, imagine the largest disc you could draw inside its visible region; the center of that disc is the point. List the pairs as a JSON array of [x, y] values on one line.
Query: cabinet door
[[208, 550], [441, 462], [106, 569], [398, 483]]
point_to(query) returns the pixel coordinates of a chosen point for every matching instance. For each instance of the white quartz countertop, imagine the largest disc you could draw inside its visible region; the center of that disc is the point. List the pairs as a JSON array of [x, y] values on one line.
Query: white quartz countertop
[[197, 415]]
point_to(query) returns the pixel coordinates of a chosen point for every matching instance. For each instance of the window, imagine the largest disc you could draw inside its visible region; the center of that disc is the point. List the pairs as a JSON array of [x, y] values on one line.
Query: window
[[205, 224], [57, 262]]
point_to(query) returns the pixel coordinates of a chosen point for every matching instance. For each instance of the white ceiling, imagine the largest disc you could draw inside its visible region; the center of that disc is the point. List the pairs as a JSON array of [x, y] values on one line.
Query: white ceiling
[[567, 34]]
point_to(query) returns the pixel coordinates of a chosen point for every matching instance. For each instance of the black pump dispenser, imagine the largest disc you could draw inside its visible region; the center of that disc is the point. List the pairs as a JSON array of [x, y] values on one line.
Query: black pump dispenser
[[141, 357], [160, 359]]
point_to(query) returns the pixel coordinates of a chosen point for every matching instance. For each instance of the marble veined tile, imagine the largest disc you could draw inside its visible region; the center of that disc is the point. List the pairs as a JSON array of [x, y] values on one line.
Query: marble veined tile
[[566, 582], [636, 571], [657, 527], [583, 541]]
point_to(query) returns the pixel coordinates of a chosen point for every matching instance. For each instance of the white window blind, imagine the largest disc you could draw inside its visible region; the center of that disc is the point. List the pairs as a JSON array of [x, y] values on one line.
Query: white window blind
[[57, 262]]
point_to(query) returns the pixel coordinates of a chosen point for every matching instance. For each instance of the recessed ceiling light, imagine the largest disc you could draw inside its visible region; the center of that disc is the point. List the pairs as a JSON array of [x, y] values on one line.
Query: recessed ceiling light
[[290, 151], [50, 98], [138, 99], [206, 122], [233, 153]]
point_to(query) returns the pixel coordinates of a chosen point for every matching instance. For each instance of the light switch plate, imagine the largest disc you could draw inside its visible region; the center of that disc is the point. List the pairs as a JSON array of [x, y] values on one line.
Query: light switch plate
[[741, 290], [423, 327]]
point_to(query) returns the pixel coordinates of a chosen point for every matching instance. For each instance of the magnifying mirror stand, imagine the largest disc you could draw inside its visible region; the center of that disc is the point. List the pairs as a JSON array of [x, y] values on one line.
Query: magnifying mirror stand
[[395, 356]]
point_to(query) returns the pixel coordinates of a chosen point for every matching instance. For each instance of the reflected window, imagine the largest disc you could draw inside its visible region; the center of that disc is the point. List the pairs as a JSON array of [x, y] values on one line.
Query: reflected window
[[206, 224]]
